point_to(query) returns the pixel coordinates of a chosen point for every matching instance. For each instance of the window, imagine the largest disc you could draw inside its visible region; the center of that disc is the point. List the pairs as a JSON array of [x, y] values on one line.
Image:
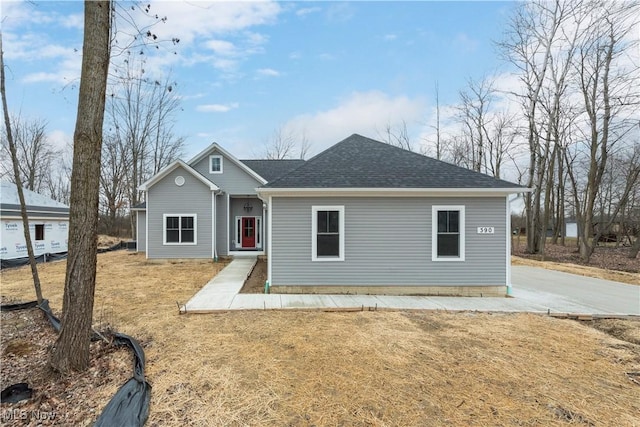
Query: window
[[215, 164], [327, 233], [39, 231], [447, 233], [180, 229]]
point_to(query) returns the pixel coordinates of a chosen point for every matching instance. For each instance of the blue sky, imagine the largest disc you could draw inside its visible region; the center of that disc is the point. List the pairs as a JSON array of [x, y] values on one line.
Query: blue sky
[[244, 69]]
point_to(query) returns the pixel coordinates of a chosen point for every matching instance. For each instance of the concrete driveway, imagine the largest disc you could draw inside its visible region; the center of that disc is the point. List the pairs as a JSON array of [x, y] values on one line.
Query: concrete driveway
[[563, 291]]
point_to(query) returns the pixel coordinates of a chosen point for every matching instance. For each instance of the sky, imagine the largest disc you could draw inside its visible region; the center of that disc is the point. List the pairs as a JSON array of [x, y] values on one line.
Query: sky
[[244, 69]]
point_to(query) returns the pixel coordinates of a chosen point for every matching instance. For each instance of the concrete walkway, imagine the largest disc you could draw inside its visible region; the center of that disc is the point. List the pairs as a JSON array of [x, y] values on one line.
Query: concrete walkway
[[221, 294], [220, 291]]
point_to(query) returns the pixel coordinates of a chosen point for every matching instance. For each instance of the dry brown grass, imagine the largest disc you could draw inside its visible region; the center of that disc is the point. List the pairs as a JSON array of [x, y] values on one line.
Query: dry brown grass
[[582, 270], [366, 368]]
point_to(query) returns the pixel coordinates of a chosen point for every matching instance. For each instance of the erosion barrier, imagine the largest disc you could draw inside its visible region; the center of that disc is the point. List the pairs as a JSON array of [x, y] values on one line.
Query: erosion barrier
[[128, 407]]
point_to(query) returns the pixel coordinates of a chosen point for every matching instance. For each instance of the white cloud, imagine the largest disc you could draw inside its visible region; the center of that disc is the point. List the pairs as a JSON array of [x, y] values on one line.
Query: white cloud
[[75, 20], [366, 113], [307, 10], [221, 47], [192, 22], [326, 56], [60, 139], [464, 43], [390, 37], [217, 108], [269, 72], [340, 12]]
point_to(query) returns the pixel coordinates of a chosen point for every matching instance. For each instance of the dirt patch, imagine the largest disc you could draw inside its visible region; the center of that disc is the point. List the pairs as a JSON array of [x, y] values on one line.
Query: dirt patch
[[256, 280], [105, 241], [303, 368], [78, 399], [624, 330]]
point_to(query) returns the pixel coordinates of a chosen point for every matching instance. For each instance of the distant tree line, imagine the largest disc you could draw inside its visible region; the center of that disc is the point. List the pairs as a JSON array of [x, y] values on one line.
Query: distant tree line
[[575, 137], [138, 142]]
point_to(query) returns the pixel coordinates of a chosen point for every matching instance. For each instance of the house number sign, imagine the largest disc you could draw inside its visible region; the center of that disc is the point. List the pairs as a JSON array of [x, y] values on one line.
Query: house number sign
[[486, 230]]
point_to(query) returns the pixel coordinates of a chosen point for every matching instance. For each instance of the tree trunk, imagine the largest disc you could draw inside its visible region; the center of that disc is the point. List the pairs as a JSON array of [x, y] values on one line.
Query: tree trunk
[[71, 351], [635, 247], [16, 172]]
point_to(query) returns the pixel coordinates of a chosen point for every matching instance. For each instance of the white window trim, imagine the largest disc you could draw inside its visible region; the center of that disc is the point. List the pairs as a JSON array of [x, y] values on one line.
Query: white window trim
[[434, 232], [314, 232], [216, 156], [195, 229]]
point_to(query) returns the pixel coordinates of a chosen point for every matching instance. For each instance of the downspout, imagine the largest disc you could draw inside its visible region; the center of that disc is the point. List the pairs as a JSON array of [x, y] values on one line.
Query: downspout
[[508, 245], [268, 235], [214, 225]]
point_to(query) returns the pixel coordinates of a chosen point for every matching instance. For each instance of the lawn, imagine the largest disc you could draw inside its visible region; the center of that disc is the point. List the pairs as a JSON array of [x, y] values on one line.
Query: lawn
[[305, 368]]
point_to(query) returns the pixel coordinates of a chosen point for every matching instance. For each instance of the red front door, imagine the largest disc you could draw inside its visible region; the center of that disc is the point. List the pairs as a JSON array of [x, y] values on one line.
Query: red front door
[[248, 232]]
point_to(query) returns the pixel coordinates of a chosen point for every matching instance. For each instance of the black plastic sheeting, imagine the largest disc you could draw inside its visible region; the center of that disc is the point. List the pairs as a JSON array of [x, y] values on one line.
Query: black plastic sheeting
[[16, 393], [128, 407], [19, 262]]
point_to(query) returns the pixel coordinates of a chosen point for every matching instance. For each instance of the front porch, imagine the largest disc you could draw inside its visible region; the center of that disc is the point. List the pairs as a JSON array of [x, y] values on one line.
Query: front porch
[[246, 226]]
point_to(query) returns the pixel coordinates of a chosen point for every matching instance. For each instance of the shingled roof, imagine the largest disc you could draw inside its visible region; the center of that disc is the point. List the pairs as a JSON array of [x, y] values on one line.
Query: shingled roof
[[360, 162], [272, 169]]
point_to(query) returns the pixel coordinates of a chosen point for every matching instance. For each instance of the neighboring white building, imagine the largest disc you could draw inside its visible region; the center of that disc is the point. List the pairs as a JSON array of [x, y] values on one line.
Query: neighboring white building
[[48, 223], [570, 228]]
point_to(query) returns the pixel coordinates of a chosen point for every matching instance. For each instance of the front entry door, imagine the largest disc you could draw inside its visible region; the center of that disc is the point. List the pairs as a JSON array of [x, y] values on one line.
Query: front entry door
[[248, 232]]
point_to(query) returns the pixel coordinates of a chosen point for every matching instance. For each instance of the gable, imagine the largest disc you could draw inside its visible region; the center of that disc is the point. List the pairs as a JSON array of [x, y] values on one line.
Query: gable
[[170, 168], [234, 177]]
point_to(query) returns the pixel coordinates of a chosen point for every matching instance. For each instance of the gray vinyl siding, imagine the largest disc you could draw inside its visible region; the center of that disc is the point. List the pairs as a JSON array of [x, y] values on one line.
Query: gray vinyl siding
[[165, 197], [141, 239], [388, 242], [232, 180]]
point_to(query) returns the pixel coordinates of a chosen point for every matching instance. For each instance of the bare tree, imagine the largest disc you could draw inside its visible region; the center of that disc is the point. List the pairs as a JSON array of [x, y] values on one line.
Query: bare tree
[[437, 125], [140, 113], [535, 34], [113, 187], [34, 153], [475, 104], [71, 351], [59, 183], [397, 135], [17, 179], [305, 145], [610, 99], [281, 144]]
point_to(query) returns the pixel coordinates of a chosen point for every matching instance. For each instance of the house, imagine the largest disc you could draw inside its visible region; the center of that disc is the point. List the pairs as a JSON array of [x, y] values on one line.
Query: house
[[360, 217], [48, 224], [207, 207]]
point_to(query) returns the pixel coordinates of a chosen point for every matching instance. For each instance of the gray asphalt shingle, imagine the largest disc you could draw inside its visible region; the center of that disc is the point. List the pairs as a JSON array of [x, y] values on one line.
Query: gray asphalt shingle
[[272, 169], [360, 162]]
